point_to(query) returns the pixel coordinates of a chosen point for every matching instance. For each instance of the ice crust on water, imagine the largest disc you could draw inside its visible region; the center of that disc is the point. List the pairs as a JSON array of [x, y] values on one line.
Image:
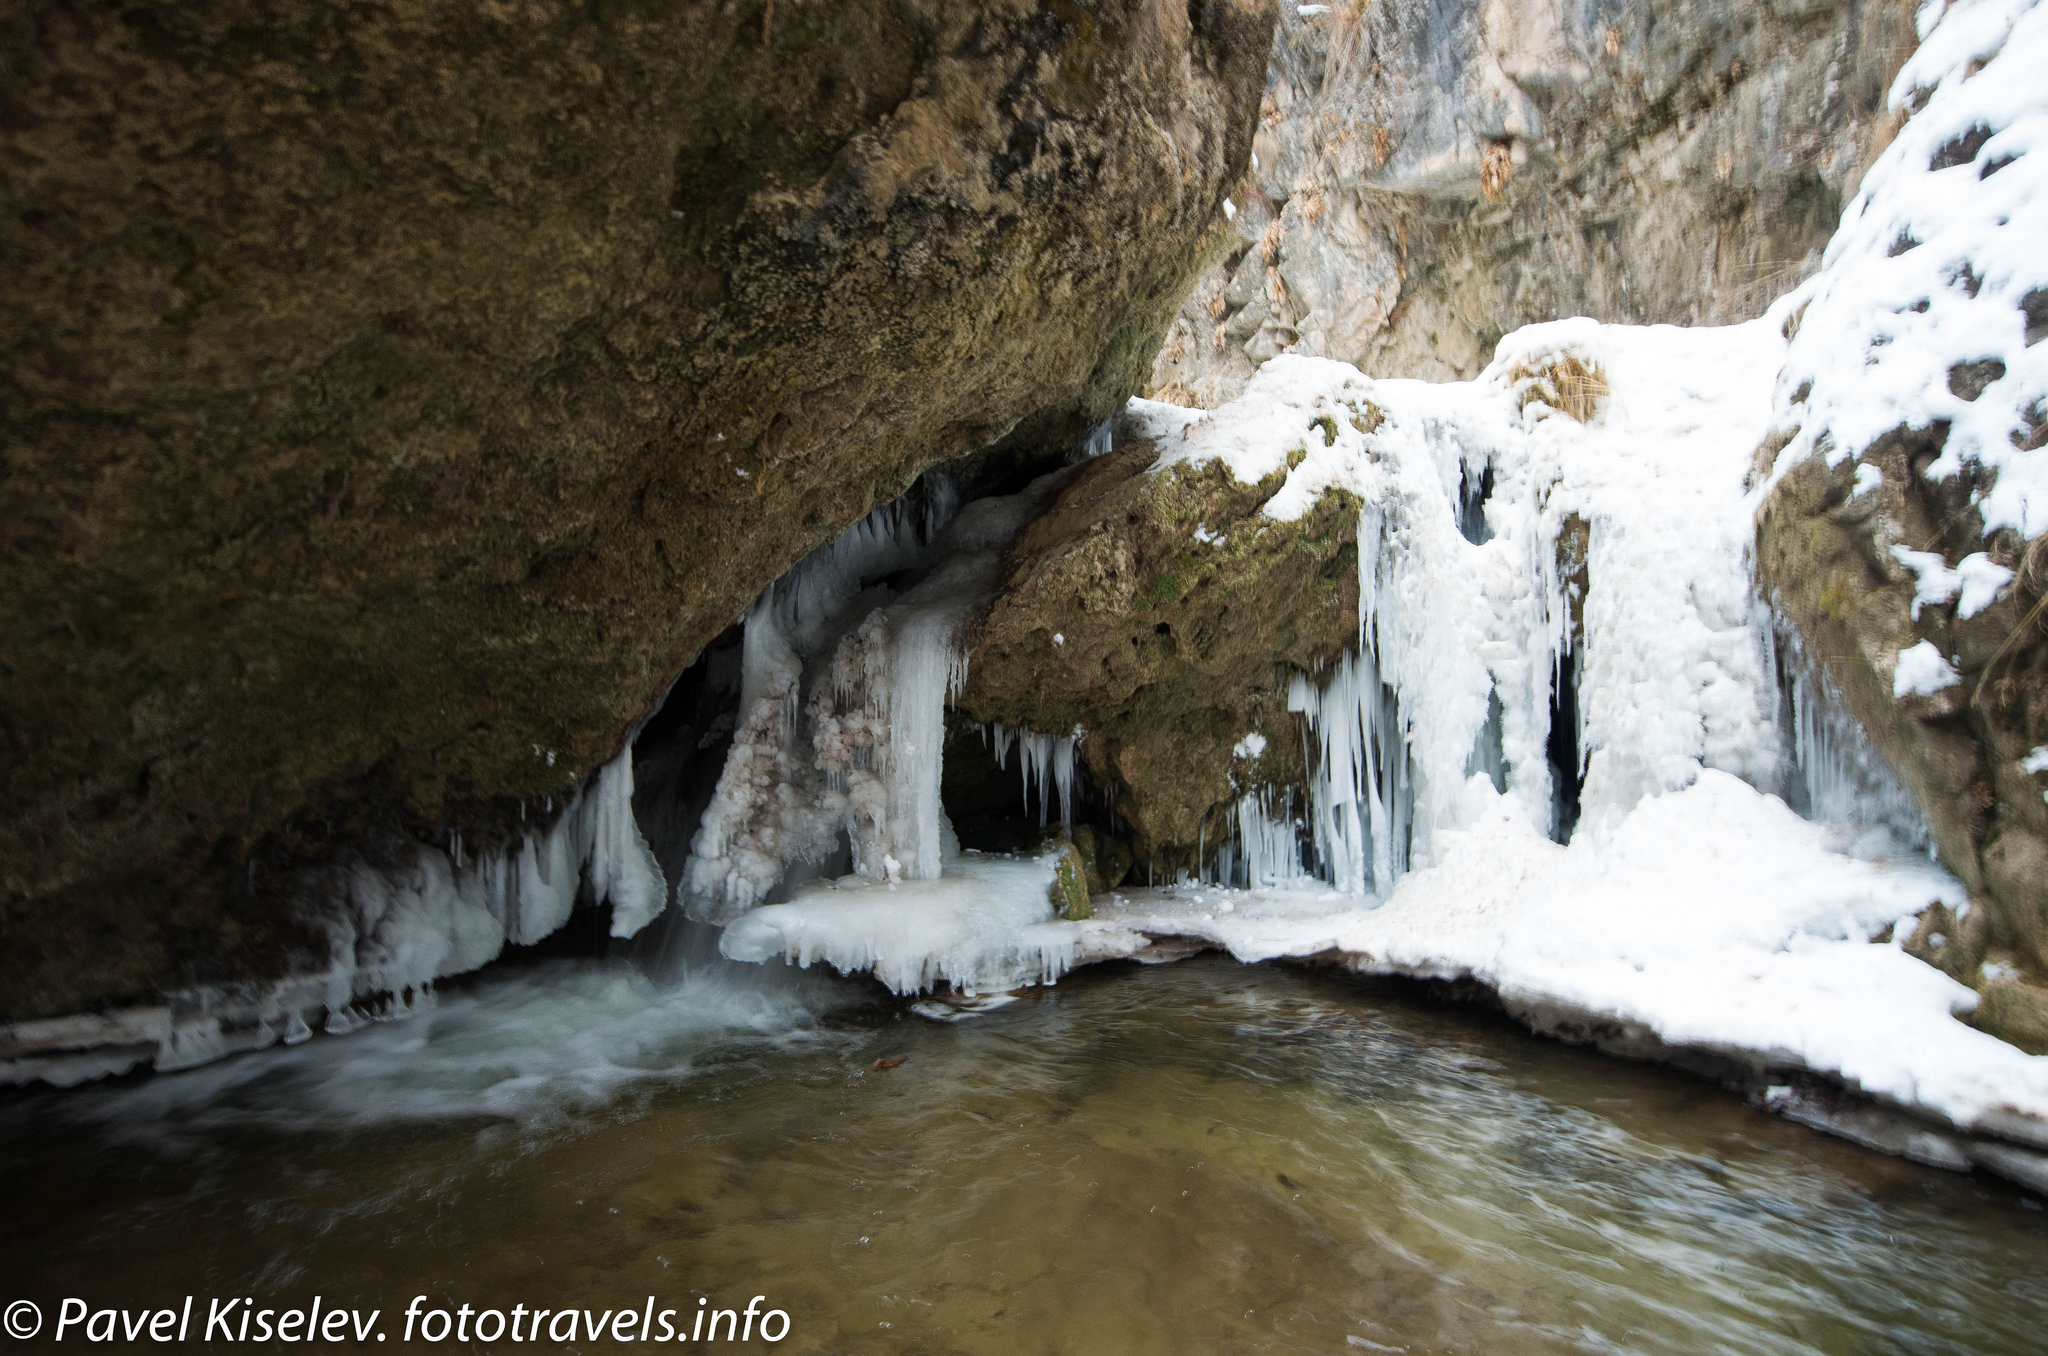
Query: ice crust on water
[[986, 925]]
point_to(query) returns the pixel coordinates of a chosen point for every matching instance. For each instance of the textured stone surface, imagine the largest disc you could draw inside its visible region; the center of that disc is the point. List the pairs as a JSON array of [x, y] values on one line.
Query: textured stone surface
[[1433, 176], [395, 400], [1167, 650], [1826, 557]]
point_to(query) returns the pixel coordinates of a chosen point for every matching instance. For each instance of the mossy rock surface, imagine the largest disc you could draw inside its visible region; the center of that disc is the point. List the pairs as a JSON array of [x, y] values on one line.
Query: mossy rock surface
[[1167, 649], [1070, 883], [395, 400]]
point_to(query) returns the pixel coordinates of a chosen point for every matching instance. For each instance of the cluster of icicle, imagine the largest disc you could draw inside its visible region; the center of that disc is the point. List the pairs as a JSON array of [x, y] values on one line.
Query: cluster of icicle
[[1047, 762], [845, 682], [395, 928], [1473, 635], [443, 913]]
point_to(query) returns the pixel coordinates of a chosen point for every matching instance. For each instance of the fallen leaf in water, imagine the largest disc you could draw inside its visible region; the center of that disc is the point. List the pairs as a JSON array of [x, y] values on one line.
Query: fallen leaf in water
[[889, 1063]]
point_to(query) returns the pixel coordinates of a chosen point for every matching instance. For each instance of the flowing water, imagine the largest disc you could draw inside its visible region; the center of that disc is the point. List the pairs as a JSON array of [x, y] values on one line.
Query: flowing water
[[1194, 1158]]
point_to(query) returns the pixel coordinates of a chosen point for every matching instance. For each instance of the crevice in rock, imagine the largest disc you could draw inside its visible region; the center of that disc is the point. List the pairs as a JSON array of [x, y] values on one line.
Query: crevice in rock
[[1567, 763]]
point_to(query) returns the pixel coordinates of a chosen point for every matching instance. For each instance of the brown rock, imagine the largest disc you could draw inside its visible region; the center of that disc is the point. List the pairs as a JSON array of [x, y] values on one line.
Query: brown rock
[[395, 400], [1170, 649]]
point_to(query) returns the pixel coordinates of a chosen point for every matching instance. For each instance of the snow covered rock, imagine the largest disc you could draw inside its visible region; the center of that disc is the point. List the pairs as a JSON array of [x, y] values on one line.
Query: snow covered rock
[[1904, 530]]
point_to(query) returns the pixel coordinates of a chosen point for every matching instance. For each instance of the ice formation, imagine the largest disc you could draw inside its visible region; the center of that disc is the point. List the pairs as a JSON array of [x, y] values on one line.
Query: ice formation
[[1472, 621], [1609, 560], [393, 928], [1046, 762], [850, 663], [986, 925], [1933, 295], [1711, 918]]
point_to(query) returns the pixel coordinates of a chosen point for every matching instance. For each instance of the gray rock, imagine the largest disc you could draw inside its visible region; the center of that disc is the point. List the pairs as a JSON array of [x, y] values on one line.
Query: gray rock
[[1447, 173]]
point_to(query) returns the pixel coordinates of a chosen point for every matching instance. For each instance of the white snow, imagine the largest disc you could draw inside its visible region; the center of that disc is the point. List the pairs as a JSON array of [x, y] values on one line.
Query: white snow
[[2036, 762], [1982, 580], [1923, 671], [1977, 577], [1937, 583], [1252, 745]]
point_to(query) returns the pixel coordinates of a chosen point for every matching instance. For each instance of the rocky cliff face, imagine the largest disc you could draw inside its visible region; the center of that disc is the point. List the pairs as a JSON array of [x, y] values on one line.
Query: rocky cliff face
[[394, 402], [1431, 177]]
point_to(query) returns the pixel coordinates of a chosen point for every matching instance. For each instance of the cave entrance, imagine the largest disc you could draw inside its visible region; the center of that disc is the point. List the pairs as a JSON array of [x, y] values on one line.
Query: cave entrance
[[994, 806]]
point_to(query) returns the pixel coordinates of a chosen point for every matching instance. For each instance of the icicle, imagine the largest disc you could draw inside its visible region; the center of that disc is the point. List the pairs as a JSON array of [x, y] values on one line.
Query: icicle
[[1836, 775], [927, 668], [1048, 763]]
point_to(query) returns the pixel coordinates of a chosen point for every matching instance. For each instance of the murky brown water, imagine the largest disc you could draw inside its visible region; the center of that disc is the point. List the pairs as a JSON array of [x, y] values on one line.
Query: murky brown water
[[1197, 1158]]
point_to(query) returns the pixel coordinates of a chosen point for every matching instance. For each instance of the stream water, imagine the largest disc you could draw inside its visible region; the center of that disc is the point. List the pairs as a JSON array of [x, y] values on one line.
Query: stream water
[[1202, 1157]]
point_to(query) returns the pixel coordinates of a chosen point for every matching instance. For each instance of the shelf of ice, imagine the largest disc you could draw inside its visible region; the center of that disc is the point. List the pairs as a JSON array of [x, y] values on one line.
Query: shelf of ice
[[984, 924]]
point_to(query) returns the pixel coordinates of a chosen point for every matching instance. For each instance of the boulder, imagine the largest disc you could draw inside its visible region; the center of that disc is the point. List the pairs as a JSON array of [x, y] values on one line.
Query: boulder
[[394, 401]]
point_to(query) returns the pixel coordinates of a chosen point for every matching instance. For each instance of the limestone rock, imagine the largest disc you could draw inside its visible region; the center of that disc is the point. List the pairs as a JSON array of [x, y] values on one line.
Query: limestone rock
[[1431, 177], [395, 400]]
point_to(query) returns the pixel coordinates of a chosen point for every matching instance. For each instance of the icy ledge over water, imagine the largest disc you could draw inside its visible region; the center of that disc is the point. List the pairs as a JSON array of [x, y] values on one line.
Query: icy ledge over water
[[1711, 918], [1693, 910], [393, 927], [986, 925]]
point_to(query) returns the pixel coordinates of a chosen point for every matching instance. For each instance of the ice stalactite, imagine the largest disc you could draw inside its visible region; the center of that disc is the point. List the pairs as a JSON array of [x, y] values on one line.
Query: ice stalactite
[[408, 924], [766, 812], [1832, 772], [1047, 763], [1362, 793], [1264, 848]]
